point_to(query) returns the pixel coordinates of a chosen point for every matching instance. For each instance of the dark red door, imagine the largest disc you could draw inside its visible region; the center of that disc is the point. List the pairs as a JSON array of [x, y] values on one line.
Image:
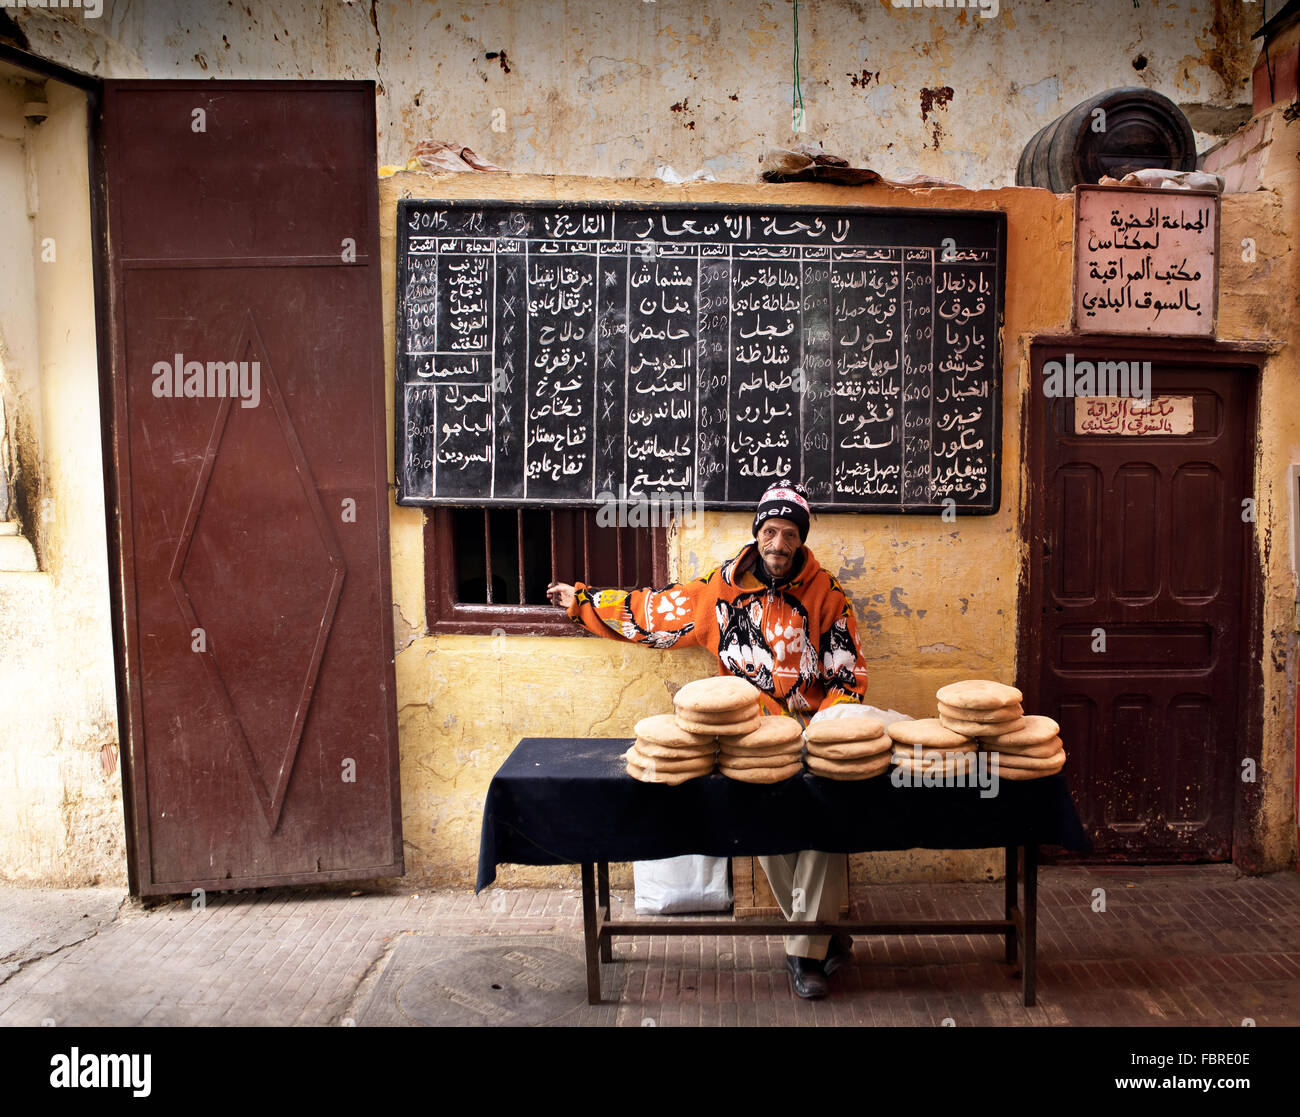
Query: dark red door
[[251, 483], [1137, 588]]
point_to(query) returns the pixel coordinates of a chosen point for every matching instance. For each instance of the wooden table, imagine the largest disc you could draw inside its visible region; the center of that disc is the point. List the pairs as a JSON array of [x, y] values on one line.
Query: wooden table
[[1019, 925], [558, 801]]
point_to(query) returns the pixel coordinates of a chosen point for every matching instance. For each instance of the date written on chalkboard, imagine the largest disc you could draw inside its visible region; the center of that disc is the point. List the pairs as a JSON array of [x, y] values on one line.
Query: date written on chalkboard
[[561, 355]]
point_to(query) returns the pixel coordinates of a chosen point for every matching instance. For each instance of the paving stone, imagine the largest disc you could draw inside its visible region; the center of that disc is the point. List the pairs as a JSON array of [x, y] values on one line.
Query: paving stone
[[1200, 945]]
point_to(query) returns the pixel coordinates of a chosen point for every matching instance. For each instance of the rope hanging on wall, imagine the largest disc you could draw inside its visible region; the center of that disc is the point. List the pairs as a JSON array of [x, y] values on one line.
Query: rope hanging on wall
[[797, 119]]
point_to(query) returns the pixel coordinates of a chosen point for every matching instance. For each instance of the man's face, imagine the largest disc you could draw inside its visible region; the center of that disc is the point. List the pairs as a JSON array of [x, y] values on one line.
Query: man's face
[[778, 542]]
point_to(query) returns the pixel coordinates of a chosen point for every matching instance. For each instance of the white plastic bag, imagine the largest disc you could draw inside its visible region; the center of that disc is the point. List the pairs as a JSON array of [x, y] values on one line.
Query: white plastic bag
[[681, 884], [857, 710], [1160, 179]]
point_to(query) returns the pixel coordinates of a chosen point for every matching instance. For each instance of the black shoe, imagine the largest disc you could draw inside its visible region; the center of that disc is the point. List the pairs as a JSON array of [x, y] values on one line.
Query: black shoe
[[838, 954], [806, 976]]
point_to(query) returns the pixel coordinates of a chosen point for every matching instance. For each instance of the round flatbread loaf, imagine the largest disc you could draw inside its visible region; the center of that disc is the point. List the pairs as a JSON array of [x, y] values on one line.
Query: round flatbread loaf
[[850, 750], [656, 776], [726, 717], [1002, 713], [844, 769], [1038, 730], [948, 763], [927, 732], [1005, 773], [981, 729], [766, 760], [658, 764], [772, 732], [717, 695], [852, 775], [761, 775], [857, 727], [920, 755], [1034, 763], [662, 729], [978, 694], [1047, 748], [725, 729], [673, 752], [728, 748]]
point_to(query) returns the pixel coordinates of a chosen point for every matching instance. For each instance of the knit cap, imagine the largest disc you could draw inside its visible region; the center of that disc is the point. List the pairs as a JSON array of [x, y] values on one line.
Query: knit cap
[[786, 500]]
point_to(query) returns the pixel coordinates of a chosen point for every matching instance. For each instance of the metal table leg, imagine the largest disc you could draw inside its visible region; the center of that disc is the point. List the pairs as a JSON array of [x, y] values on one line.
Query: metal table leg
[[1012, 896], [590, 933], [602, 902], [1030, 972]]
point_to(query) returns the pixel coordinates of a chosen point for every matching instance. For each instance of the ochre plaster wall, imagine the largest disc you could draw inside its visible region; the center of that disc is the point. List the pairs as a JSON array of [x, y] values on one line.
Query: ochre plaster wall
[[935, 601], [1261, 299], [61, 822], [615, 90]]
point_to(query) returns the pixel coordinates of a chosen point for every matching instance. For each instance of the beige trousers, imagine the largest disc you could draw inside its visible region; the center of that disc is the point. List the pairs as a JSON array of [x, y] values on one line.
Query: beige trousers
[[809, 886]]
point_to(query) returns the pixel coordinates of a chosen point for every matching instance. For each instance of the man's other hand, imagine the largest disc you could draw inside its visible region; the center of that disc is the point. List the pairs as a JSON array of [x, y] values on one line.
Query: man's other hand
[[560, 593]]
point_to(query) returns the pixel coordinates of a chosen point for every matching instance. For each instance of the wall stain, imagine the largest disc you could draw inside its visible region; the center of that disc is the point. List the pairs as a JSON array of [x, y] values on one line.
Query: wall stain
[[936, 98], [931, 100], [379, 41]]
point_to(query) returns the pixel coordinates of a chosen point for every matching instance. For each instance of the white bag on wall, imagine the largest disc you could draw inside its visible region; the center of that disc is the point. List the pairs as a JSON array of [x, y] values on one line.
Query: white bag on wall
[[681, 884]]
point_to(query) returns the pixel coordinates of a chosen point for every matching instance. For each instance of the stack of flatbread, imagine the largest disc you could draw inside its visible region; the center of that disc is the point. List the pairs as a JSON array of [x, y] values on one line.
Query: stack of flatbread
[[847, 748], [769, 754], [1027, 748], [666, 753], [723, 706], [1029, 753], [980, 708], [927, 745]]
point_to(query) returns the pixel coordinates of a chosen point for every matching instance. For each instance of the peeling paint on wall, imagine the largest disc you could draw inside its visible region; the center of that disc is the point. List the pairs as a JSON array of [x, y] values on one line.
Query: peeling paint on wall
[[584, 87]]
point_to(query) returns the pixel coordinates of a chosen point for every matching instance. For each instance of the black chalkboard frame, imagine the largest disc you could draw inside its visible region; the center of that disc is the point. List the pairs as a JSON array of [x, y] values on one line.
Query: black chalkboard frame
[[995, 219]]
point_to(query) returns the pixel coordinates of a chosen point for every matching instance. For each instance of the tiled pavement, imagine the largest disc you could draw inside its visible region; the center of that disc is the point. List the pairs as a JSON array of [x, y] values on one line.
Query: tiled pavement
[[1193, 946]]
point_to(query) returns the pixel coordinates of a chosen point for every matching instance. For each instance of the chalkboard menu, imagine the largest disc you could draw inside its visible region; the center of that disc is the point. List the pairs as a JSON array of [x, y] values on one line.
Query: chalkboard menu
[[565, 355]]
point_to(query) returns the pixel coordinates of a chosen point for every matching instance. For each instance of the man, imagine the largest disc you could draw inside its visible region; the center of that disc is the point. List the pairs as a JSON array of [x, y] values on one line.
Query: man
[[775, 616]]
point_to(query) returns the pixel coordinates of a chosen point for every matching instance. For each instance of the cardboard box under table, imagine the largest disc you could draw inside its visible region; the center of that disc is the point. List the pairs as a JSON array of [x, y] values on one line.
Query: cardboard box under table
[[566, 801]]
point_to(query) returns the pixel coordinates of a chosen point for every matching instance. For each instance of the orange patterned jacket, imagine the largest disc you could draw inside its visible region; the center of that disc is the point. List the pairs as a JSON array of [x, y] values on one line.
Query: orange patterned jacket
[[797, 641]]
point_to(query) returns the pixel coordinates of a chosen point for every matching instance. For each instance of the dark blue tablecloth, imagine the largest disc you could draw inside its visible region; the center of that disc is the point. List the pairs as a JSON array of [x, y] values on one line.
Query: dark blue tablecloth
[[564, 801]]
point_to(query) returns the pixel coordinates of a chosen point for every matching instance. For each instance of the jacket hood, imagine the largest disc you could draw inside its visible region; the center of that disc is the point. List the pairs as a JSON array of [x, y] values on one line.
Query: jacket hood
[[748, 556]]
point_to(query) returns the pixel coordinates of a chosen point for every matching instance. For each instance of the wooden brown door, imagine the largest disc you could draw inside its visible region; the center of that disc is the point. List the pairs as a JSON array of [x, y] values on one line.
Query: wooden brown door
[[1137, 592], [250, 483]]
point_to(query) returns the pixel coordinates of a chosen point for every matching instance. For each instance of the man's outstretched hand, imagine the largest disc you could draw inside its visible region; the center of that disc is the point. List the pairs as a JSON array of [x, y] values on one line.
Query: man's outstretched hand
[[560, 593]]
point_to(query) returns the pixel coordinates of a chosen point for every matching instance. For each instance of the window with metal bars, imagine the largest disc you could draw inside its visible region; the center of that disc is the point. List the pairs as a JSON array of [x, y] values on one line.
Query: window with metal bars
[[488, 568]]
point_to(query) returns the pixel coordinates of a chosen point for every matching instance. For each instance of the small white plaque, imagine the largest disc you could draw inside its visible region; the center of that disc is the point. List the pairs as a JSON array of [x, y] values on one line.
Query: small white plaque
[[1130, 415]]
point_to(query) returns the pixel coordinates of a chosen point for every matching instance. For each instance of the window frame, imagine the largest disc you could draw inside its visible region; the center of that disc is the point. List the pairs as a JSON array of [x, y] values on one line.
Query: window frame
[[445, 615]]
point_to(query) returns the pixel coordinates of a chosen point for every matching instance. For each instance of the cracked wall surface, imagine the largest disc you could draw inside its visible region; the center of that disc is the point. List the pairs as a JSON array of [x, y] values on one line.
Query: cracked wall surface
[[591, 88]]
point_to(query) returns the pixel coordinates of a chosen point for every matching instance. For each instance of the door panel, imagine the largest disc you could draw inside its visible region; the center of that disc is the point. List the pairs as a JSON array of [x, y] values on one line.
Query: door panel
[[1137, 579], [252, 485]]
